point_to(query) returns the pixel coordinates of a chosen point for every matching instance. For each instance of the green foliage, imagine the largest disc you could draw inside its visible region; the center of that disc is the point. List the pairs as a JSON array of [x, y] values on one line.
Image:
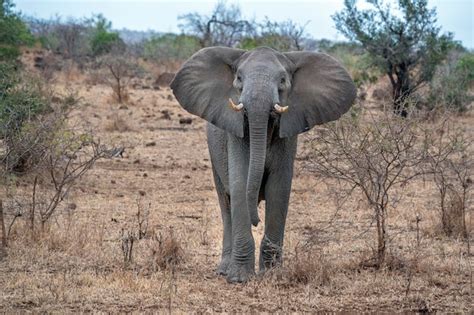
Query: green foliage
[[249, 43], [13, 32], [20, 102], [450, 86], [103, 39], [104, 42], [404, 42], [465, 66], [169, 47], [358, 62], [272, 40]]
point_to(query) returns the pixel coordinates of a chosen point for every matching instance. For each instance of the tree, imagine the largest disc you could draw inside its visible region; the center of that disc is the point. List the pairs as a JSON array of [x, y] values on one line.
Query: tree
[[170, 47], [371, 156], [225, 26], [283, 36], [405, 43], [121, 68], [13, 32], [103, 39], [71, 37]]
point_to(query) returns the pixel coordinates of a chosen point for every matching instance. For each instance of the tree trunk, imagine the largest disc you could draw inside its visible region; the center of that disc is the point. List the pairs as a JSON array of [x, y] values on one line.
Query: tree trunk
[[401, 91], [381, 236]]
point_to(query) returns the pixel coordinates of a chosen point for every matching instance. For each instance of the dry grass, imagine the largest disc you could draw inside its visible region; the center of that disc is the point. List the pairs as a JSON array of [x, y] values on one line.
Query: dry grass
[[117, 123], [166, 251], [77, 264]]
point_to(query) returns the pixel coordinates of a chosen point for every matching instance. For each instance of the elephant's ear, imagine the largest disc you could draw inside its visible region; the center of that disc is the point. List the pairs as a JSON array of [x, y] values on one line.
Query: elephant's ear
[[203, 87], [322, 91]]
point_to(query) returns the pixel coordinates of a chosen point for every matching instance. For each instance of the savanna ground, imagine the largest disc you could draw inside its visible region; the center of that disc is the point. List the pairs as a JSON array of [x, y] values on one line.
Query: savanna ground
[[77, 264]]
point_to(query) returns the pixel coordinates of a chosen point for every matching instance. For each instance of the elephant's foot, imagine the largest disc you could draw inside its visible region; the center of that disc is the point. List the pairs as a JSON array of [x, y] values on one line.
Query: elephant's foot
[[270, 255], [223, 266], [240, 273]]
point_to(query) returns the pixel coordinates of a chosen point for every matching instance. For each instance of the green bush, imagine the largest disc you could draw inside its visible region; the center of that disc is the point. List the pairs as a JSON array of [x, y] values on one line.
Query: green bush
[[103, 40], [13, 32], [272, 40], [170, 47], [356, 61], [465, 66], [451, 83], [21, 102]]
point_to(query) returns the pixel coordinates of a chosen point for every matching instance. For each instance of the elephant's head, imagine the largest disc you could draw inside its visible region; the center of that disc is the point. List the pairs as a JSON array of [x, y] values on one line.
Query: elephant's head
[[230, 87]]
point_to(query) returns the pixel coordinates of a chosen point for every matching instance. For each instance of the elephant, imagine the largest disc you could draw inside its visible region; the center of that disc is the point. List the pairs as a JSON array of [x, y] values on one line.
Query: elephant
[[256, 103]]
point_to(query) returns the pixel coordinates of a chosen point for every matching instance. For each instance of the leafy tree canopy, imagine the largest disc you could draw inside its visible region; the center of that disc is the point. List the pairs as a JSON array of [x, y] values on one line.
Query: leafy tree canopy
[[404, 41], [104, 40], [13, 32]]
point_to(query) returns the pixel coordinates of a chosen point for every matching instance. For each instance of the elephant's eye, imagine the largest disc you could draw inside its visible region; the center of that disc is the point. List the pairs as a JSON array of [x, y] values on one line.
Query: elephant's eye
[[283, 80], [239, 78]]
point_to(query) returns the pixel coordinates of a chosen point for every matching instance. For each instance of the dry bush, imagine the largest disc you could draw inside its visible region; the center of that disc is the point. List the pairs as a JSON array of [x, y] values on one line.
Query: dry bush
[[128, 240], [449, 164], [166, 252], [143, 217], [64, 159], [307, 265], [40, 150], [120, 70], [372, 157]]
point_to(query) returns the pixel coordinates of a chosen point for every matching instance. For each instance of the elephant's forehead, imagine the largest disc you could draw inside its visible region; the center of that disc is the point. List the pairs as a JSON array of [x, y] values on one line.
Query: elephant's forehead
[[265, 63]]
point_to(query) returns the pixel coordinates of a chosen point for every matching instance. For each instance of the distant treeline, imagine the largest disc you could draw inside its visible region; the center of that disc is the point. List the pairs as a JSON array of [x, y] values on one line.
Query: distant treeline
[[405, 44], [225, 26]]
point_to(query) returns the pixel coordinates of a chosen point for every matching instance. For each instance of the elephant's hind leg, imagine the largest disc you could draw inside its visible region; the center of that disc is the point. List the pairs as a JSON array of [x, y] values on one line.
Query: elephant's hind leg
[[224, 203]]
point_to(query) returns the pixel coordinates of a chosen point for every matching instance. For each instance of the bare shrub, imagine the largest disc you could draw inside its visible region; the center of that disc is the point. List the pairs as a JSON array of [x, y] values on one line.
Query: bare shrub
[[70, 36], [308, 265], [120, 71], [40, 149], [143, 216], [166, 251], [128, 239], [450, 163], [60, 162], [67, 159], [373, 157]]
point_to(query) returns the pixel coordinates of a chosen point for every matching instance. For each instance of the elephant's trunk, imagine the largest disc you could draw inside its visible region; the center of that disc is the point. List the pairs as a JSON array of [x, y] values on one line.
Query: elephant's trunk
[[258, 124]]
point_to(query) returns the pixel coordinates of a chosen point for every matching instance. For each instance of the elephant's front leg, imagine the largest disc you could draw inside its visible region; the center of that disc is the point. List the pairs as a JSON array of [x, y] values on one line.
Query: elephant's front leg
[[242, 265], [224, 202], [277, 196]]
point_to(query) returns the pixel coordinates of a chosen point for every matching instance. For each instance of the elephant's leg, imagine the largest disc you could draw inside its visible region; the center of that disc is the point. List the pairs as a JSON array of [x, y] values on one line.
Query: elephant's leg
[[242, 265], [224, 203], [277, 196]]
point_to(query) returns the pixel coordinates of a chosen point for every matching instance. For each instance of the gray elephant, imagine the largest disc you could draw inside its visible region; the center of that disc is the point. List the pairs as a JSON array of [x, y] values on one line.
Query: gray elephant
[[256, 103]]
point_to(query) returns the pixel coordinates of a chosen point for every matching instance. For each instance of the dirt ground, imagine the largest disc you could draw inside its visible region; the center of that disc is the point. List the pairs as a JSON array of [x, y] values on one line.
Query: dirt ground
[[78, 265]]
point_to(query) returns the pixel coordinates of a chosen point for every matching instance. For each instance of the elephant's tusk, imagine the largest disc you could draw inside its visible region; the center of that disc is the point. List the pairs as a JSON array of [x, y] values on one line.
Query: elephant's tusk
[[237, 108], [281, 109]]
